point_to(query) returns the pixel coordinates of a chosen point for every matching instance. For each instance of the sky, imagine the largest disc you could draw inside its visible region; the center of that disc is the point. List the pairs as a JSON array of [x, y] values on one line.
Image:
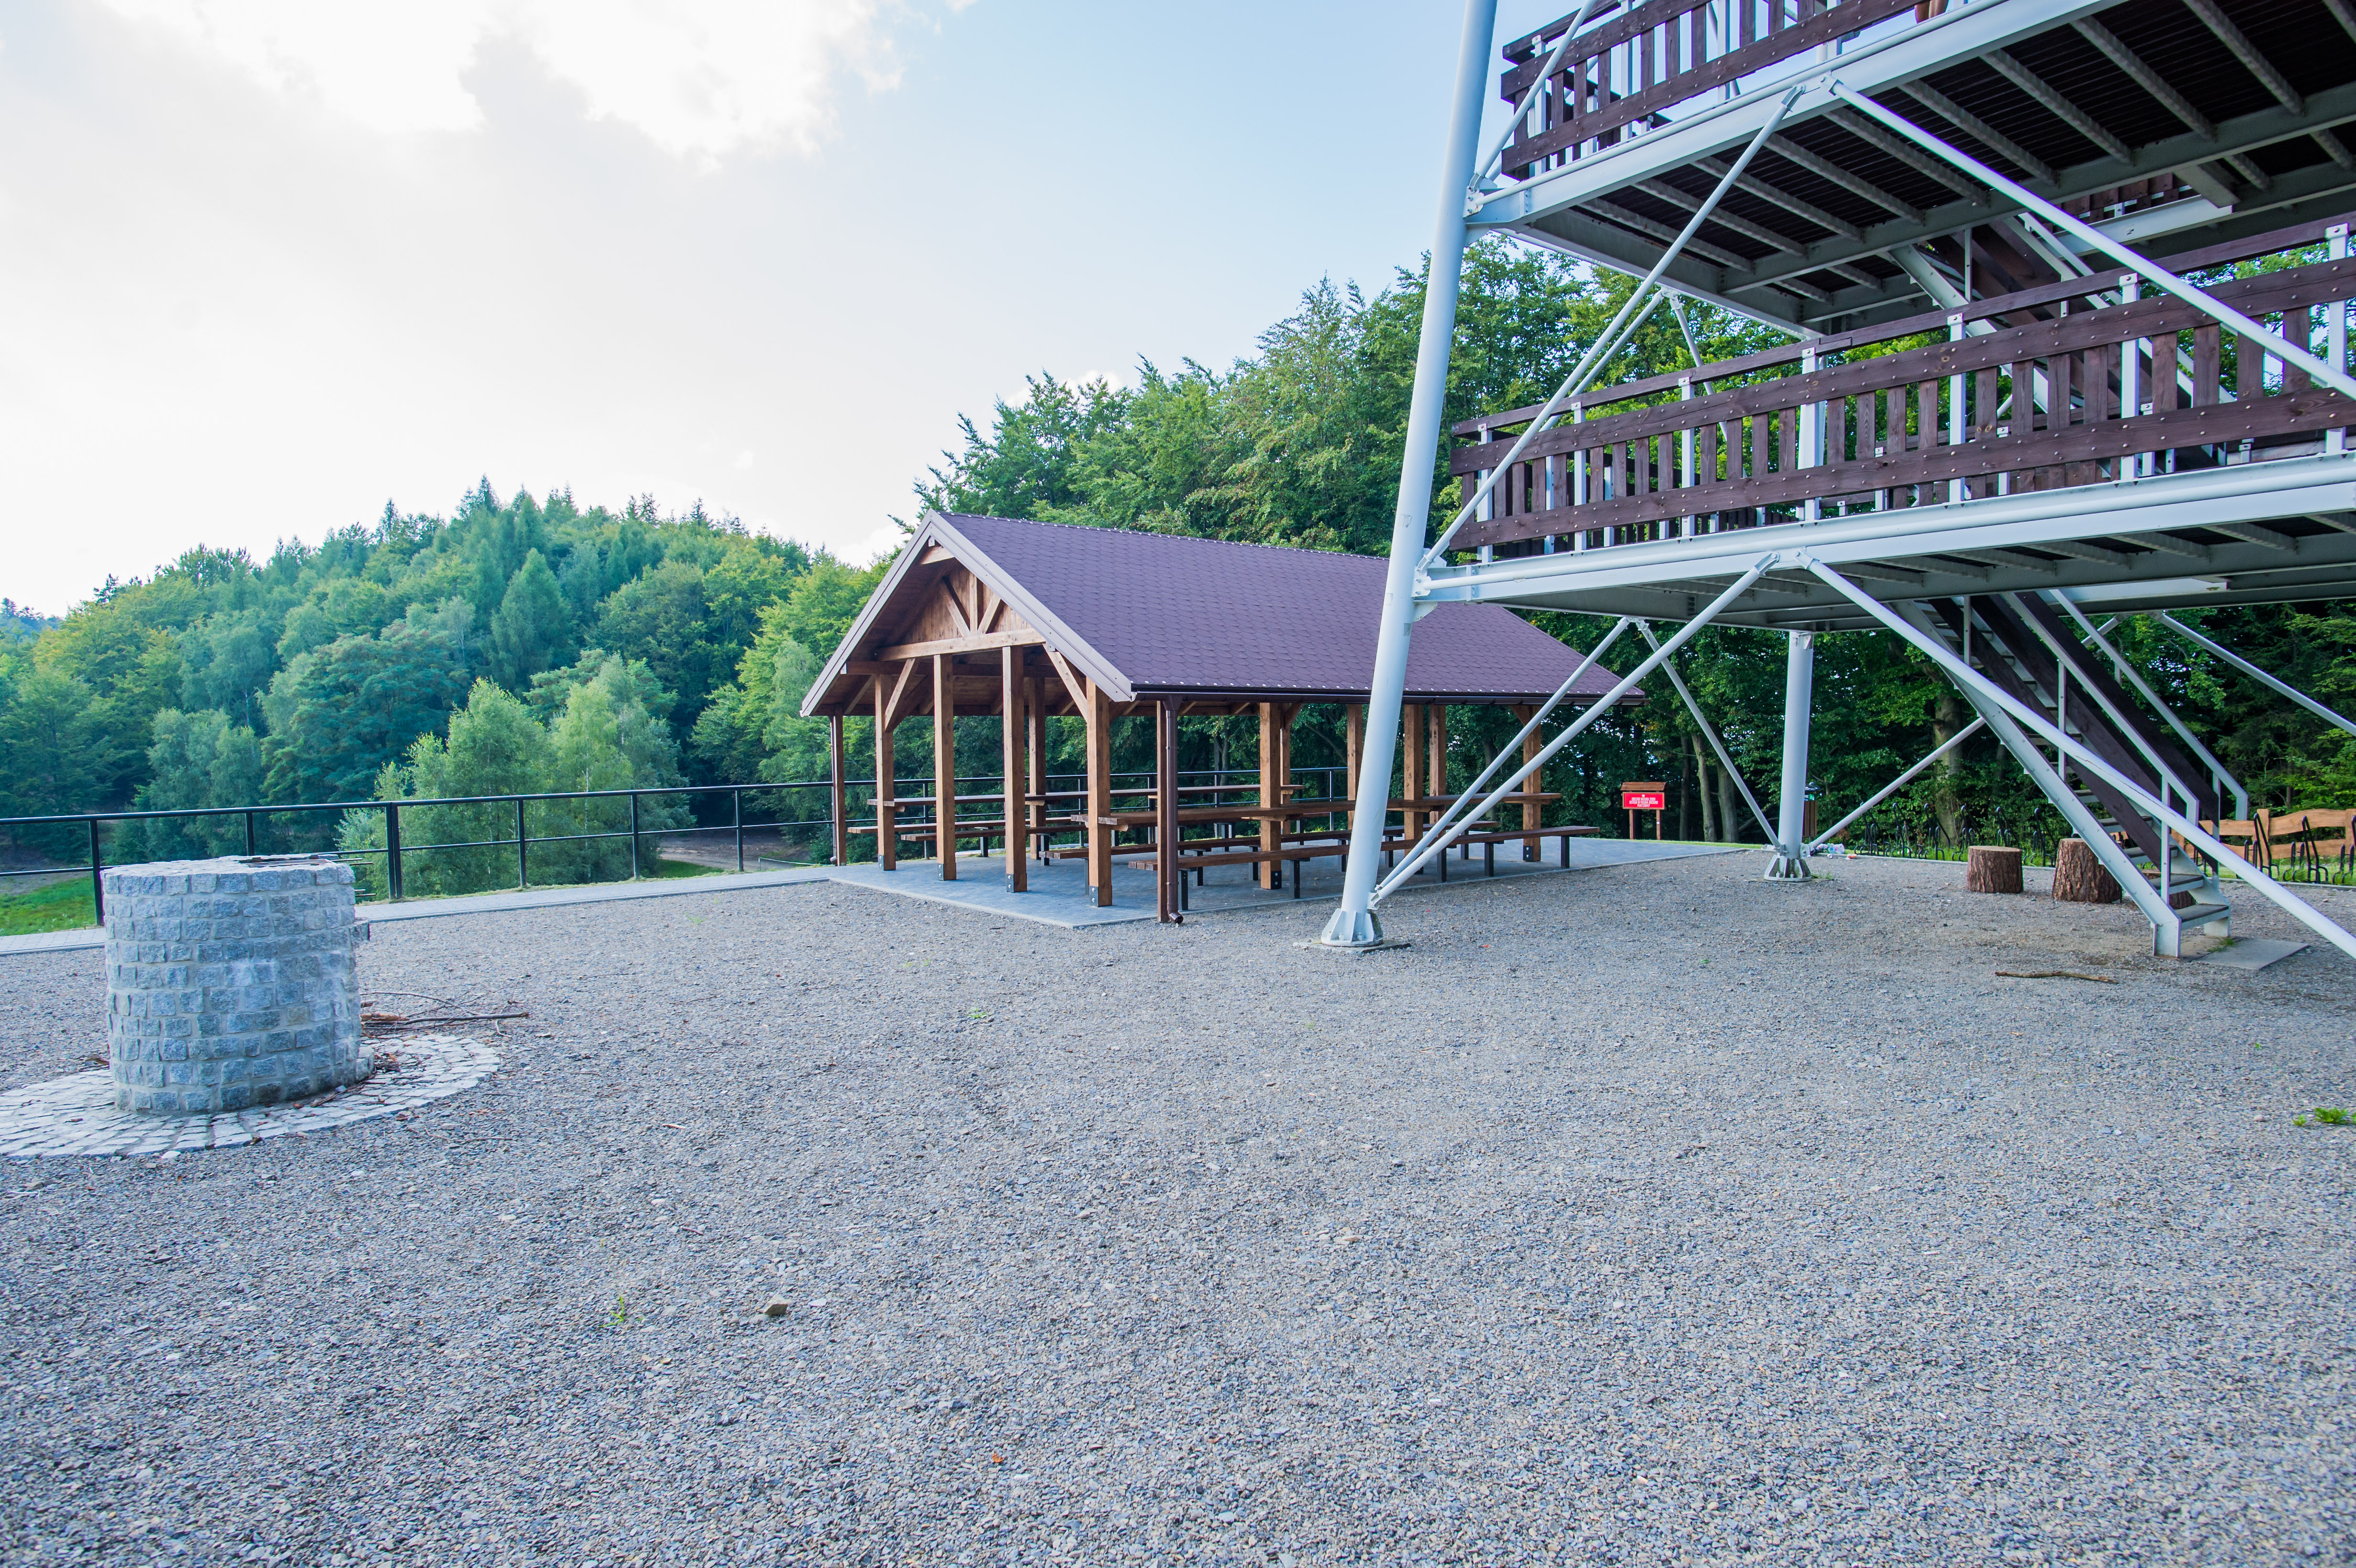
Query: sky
[[267, 264]]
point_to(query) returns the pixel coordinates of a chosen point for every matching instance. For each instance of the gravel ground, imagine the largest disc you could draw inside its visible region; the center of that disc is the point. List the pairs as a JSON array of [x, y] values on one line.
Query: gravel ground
[[1642, 1215]]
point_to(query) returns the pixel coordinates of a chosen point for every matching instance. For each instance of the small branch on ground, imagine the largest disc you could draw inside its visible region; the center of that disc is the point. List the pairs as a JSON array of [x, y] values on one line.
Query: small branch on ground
[[393, 1023], [2053, 975]]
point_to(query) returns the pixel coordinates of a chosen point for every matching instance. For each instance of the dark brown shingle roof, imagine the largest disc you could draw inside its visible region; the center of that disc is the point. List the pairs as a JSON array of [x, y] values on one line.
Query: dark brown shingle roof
[[1180, 614]]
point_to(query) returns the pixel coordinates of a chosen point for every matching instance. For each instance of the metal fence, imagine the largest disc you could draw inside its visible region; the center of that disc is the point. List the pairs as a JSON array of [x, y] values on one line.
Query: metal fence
[[394, 855]]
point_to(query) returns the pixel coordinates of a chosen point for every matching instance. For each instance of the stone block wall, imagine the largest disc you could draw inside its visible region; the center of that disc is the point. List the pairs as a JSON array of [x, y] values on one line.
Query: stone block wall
[[230, 984]]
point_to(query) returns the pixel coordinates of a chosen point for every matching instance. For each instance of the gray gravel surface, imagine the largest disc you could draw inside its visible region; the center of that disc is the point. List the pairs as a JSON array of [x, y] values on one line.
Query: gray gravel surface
[[1642, 1215]]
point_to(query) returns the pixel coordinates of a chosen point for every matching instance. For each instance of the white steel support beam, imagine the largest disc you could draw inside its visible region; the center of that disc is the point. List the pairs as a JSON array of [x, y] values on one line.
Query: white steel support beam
[[2085, 762], [1513, 746], [1645, 295], [1438, 843], [1791, 862], [1710, 733], [2254, 673], [2331, 375], [1901, 782], [2167, 933], [2134, 676], [1354, 925]]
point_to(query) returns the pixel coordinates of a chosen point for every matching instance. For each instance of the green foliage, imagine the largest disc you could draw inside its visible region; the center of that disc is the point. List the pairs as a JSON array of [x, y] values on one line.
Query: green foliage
[[64, 905], [2328, 1116], [198, 759], [336, 712], [533, 630], [603, 737], [51, 750], [337, 658]]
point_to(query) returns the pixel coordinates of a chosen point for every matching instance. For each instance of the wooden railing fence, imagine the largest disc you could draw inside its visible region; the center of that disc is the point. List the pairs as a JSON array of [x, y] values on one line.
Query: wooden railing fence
[[2080, 398]]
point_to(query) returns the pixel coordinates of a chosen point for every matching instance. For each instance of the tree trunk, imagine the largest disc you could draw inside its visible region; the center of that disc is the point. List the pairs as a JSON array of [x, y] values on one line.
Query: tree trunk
[[2079, 878], [1993, 868], [1946, 718], [1729, 810], [1693, 783]]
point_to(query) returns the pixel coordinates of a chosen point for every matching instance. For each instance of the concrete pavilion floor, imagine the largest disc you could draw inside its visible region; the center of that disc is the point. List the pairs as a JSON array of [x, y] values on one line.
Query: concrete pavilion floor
[[1059, 895]]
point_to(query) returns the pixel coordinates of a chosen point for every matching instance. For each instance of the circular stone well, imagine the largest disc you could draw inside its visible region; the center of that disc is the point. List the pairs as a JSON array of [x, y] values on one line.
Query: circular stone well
[[230, 983]]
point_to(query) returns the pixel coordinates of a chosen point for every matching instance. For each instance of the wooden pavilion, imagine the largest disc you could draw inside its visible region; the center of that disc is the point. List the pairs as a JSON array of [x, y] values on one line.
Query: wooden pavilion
[[1023, 621]]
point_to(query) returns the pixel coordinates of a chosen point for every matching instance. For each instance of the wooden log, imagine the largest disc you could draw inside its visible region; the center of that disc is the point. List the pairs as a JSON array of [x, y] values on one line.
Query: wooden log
[[2079, 878], [1993, 869]]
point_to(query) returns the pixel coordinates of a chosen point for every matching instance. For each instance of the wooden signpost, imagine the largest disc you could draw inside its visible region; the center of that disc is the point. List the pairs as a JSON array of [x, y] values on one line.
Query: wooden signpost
[[1644, 795]]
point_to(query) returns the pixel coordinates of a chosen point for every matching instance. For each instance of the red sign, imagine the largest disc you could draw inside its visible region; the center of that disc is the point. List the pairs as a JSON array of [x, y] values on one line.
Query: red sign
[[1642, 797]]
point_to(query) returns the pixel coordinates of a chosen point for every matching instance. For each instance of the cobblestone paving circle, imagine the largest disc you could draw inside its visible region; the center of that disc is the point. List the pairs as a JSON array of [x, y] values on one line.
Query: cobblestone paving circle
[[77, 1114]]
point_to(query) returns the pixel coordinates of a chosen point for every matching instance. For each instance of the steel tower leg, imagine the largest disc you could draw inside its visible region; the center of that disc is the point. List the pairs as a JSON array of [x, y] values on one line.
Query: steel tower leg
[[1791, 862], [1355, 924]]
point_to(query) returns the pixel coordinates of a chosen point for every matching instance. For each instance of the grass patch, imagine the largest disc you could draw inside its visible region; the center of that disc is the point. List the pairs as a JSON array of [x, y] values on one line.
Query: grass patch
[[2326, 1116], [61, 906], [665, 869]]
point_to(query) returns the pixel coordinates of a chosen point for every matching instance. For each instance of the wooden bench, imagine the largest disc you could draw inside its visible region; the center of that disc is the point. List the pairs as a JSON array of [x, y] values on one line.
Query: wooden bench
[[1199, 861]]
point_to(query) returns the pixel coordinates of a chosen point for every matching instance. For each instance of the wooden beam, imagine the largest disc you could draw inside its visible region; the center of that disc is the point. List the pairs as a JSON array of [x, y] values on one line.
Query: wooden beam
[[1532, 812], [1354, 745], [1035, 711], [903, 696], [1269, 873], [1081, 692], [1410, 770], [1166, 807], [1438, 782], [1098, 710], [970, 643], [935, 555], [957, 617], [944, 768], [1014, 729]]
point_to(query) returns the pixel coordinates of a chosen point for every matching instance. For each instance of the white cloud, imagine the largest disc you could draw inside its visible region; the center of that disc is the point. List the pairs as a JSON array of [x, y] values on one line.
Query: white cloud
[[701, 79]]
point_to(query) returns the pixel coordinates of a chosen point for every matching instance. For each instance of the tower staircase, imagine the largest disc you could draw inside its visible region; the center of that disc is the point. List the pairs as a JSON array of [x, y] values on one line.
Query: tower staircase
[[2021, 644]]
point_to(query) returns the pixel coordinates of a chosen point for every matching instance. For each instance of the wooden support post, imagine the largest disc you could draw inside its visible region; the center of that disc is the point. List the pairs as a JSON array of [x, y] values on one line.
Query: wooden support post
[[1411, 760], [1438, 782], [944, 766], [835, 797], [1353, 746], [1035, 708], [1165, 807], [1269, 873], [1099, 804], [887, 809], [1532, 814], [1014, 729]]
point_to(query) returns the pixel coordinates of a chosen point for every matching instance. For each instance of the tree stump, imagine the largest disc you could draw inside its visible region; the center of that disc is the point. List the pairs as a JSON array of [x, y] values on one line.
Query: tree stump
[[2079, 878], [1993, 869]]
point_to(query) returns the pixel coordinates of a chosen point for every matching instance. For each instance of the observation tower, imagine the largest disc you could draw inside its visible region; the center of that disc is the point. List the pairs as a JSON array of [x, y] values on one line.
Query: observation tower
[[2028, 389]]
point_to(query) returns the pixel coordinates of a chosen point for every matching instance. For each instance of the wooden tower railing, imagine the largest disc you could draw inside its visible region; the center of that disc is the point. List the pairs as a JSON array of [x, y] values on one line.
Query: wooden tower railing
[[2062, 385], [1654, 57]]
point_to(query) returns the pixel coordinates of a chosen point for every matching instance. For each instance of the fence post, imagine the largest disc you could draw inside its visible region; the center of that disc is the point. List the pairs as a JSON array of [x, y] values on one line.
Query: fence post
[[97, 882], [633, 836], [391, 852], [523, 869], [737, 803]]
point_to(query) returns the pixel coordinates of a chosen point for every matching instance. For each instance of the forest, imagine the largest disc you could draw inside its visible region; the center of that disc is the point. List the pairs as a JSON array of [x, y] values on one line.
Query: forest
[[528, 644]]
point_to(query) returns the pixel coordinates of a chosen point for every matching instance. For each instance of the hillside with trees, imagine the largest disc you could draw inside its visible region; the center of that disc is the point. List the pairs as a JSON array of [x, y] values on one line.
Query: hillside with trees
[[528, 644]]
